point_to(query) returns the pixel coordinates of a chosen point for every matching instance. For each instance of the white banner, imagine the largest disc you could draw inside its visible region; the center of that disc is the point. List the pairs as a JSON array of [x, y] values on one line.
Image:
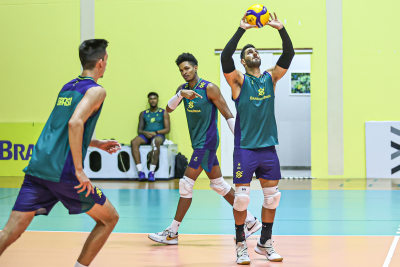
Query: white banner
[[382, 143]]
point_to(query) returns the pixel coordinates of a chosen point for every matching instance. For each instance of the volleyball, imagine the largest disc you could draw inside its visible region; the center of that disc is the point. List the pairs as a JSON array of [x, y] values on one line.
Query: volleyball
[[257, 15]]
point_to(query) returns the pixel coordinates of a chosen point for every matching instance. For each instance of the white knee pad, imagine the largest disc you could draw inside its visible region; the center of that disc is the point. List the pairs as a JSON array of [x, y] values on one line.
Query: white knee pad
[[242, 198], [272, 196], [220, 186], [186, 187]]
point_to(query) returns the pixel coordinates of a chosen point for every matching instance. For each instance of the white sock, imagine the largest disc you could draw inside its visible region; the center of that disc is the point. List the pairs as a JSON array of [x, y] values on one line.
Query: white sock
[[175, 226], [139, 167], [250, 217], [77, 264], [152, 167]]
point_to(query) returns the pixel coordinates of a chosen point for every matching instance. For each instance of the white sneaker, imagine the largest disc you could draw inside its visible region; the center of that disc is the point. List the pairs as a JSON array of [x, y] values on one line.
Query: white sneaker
[[267, 250], [242, 256], [165, 237], [251, 227]]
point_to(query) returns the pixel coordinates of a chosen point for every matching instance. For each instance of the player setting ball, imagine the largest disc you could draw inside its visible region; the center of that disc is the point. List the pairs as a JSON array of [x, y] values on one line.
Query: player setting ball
[[254, 94]]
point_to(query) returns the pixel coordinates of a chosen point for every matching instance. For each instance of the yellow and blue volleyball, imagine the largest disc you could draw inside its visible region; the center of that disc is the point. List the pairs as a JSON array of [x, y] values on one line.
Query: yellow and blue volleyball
[[257, 15]]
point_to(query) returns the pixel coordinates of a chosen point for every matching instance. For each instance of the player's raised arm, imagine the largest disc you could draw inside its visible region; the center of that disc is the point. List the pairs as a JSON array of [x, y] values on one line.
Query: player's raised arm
[[233, 76], [283, 63], [89, 104], [214, 94]]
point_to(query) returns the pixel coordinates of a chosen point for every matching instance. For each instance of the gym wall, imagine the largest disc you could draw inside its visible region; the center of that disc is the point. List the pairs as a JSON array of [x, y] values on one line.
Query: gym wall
[[40, 54]]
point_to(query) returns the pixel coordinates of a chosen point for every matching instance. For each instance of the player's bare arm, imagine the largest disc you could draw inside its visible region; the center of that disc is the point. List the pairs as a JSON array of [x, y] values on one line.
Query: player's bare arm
[[88, 106], [110, 146], [141, 127], [214, 94], [281, 67], [233, 76], [174, 102], [166, 125]]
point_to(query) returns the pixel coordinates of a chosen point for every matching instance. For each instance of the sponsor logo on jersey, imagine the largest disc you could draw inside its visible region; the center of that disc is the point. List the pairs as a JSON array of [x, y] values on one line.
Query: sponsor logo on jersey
[[191, 105], [153, 120], [64, 101], [260, 98], [261, 92], [202, 85]]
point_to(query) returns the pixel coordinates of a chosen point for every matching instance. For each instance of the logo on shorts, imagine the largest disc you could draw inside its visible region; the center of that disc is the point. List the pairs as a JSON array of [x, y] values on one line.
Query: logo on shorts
[[191, 104], [195, 159], [153, 120], [238, 167], [239, 174], [98, 192]]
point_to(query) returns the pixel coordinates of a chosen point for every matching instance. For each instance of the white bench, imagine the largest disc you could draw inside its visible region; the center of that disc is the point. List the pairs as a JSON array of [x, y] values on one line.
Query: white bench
[[109, 163]]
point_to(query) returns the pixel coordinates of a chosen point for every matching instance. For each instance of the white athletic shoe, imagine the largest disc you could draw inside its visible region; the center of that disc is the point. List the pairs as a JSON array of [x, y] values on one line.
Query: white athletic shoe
[[251, 227], [242, 256], [267, 250], [165, 237]]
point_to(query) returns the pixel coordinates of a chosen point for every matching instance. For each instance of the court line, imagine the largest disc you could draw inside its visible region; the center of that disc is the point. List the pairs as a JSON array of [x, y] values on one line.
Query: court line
[[125, 233], [391, 251]]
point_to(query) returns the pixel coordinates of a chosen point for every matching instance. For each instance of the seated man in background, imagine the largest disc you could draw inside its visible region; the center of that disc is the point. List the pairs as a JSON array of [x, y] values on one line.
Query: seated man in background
[[153, 126]]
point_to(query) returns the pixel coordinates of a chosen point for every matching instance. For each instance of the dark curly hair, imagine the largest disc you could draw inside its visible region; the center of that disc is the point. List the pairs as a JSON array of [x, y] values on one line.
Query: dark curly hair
[[186, 57]]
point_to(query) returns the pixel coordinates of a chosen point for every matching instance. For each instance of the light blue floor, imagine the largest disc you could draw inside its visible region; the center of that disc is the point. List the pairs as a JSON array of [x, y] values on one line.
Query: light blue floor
[[301, 212]]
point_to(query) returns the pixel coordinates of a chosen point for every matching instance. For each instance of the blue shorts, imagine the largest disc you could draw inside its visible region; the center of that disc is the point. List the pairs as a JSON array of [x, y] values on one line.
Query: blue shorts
[[148, 141], [262, 161], [41, 195], [207, 159]]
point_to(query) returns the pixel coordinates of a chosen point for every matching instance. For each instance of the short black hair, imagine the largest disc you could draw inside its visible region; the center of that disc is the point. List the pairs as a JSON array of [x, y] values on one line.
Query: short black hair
[[91, 51], [186, 57], [244, 50], [152, 93]]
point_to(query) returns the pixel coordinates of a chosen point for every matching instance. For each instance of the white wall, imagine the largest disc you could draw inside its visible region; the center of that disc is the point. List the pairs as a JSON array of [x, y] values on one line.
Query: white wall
[[293, 117]]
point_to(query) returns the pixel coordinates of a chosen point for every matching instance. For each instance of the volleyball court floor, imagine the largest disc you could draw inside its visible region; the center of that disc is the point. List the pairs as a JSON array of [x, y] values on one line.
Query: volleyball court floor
[[354, 222]]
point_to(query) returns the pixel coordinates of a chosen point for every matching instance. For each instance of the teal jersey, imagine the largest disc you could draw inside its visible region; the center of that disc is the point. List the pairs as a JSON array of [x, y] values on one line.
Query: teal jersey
[[255, 125], [51, 158], [202, 118], [153, 121]]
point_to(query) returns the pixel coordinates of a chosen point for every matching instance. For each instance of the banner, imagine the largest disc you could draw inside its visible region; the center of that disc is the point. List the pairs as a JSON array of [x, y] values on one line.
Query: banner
[[382, 140], [16, 145]]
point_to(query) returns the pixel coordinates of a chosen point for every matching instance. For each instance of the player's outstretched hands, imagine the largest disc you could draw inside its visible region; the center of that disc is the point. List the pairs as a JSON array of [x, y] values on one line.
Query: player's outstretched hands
[[275, 22], [110, 146], [190, 94], [244, 25], [84, 183]]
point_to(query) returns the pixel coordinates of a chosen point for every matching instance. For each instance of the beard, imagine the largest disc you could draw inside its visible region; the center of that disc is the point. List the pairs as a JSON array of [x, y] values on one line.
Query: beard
[[253, 64]]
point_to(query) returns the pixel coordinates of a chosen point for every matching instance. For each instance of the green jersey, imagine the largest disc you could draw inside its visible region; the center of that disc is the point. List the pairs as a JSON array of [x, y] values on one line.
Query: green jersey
[[154, 121], [202, 118], [51, 158], [255, 125]]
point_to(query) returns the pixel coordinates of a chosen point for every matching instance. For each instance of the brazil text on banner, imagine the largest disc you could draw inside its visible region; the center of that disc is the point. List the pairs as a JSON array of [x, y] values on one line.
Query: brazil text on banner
[[16, 145]]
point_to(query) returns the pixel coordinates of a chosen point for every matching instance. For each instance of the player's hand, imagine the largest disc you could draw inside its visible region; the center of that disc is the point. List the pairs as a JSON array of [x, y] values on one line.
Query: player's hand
[[85, 183], [110, 146], [275, 22], [153, 134], [190, 94], [244, 25], [147, 134]]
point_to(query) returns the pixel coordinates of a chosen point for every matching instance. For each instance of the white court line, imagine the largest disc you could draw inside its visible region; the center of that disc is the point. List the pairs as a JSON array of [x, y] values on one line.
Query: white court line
[[129, 233], [391, 251]]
